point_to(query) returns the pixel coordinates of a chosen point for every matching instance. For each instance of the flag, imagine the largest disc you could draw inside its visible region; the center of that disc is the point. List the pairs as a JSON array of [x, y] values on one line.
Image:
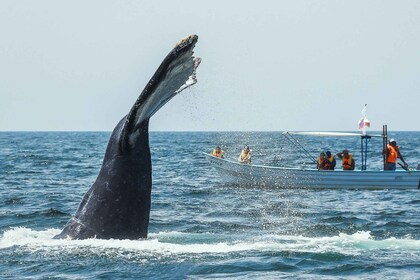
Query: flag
[[364, 122]]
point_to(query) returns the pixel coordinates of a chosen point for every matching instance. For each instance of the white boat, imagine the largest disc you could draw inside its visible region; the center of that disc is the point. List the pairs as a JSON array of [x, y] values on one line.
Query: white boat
[[233, 172], [251, 174]]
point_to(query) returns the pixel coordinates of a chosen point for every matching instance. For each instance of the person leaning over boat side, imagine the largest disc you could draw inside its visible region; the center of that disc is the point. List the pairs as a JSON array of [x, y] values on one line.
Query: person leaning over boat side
[[245, 156], [330, 161], [218, 152], [320, 162], [392, 152], [346, 160]]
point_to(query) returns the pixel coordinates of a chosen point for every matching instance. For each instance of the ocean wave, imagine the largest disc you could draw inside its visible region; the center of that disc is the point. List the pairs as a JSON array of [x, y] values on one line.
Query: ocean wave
[[13, 200], [165, 243], [51, 212]]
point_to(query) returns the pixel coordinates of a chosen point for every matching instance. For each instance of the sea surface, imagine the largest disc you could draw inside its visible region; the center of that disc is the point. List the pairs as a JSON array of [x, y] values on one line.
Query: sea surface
[[200, 227]]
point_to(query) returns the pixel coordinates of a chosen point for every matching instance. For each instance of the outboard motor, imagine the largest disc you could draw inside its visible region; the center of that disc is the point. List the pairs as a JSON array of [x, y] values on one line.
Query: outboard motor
[[418, 166]]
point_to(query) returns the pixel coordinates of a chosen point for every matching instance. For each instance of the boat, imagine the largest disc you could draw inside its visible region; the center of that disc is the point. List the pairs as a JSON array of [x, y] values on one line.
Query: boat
[[233, 172]]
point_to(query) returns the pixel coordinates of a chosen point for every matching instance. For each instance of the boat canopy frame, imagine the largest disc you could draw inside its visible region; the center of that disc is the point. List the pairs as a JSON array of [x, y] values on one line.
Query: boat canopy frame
[[364, 140]]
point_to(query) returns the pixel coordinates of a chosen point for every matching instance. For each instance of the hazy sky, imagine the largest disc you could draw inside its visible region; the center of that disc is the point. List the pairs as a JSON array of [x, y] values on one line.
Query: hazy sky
[[266, 65]]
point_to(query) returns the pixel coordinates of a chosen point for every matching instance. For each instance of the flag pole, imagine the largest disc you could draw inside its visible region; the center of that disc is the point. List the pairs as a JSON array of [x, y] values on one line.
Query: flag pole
[[384, 142]]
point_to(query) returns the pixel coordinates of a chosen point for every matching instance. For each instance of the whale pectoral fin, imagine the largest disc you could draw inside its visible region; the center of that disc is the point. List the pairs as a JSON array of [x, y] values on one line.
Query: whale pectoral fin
[[176, 73]]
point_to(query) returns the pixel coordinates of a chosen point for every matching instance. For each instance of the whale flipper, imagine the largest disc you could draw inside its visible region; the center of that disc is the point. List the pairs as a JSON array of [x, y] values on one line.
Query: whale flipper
[[118, 203]]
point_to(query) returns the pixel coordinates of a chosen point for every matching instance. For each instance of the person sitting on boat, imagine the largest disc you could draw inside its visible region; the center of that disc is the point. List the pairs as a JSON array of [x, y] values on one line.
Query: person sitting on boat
[[320, 163], [245, 156], [330, 161], [217, 152], [347, 160], [392, 152]]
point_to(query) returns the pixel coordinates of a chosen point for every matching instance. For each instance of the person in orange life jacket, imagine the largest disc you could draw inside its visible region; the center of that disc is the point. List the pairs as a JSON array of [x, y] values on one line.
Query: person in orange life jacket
[[330, 161], [347, 160], [217, 152], [245, 156], [392, 152], [320, 162]]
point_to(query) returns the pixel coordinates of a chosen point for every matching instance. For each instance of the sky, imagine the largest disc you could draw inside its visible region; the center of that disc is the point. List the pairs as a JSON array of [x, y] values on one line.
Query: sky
[[266, 65]]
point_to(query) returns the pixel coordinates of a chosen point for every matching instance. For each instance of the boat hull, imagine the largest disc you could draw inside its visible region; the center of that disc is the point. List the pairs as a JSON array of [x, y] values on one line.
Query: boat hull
[[248, 174]]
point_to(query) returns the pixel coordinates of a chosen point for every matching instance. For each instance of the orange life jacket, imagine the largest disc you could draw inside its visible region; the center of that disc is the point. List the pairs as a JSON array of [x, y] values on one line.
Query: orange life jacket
[[323, 164], [346, 162], [392, 154], [329, 162]]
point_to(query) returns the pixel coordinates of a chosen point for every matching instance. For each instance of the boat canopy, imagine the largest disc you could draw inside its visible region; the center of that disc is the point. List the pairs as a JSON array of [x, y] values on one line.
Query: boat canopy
[[329, 134]]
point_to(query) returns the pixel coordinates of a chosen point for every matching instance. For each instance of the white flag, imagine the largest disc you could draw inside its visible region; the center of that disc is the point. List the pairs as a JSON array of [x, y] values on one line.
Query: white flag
[[364, 122]]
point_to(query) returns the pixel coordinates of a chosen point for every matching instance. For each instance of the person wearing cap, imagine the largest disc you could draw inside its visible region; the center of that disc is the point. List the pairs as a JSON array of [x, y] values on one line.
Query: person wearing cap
[[392, 152], [330, 161], [347, 160], [245, 156], [217, 152]]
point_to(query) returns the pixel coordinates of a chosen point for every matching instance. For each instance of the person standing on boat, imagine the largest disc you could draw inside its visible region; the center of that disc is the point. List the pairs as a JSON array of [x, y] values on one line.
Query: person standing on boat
[[321, 161], [245, 156], [217, 152], [330, 161], [392, 152], [347, 160]]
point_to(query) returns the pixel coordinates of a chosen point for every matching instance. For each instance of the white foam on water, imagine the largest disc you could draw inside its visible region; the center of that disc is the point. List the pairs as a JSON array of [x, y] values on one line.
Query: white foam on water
[[357, 243], [173, 243]]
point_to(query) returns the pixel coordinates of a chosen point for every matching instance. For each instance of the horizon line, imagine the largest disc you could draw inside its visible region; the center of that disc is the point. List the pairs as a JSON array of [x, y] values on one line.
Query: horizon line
[[8, 131]]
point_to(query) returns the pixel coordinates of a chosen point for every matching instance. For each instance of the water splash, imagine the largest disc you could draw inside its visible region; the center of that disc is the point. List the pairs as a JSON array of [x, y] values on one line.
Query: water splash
[[169, 243]]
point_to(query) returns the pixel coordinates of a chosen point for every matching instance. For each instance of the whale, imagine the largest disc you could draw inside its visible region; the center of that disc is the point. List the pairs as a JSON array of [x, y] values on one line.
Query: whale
[[117, 205]]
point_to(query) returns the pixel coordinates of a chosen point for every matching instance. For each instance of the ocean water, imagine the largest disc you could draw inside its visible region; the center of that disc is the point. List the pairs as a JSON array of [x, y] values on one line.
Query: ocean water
[[200, 227]]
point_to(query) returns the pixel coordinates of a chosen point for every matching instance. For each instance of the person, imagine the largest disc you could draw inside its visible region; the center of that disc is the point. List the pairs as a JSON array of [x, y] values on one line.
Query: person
[[218, 152], [330, 161], [392, 152], [245, 156], [346, 160], [320, 161]]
